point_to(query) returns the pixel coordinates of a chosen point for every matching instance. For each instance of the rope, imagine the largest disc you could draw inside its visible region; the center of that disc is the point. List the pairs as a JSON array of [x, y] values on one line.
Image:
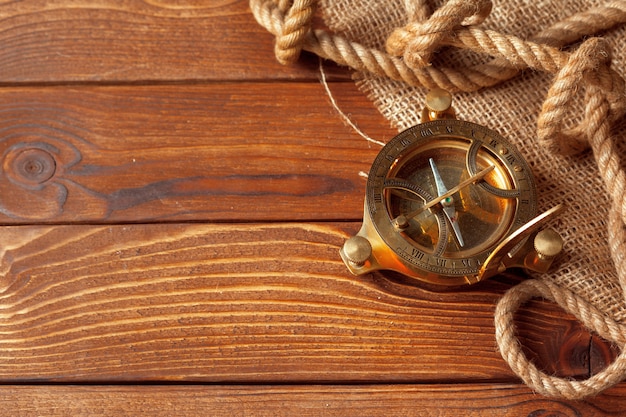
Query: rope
[[295, 27], [337, 48], [591, 317], [407, 59]]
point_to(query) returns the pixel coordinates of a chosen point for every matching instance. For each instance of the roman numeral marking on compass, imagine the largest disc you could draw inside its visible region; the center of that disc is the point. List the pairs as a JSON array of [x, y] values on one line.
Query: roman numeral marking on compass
[[426, 132], [510, 158]]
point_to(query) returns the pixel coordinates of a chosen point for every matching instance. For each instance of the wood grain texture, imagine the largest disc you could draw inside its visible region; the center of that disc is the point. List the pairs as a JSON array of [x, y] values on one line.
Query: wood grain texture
[[306, 401], [237, 152], [130, 41], [231, 303], [248, 303], [173, 201]]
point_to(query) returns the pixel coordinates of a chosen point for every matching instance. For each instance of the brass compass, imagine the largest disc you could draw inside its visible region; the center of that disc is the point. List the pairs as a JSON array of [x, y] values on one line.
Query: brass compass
[[450, 202]]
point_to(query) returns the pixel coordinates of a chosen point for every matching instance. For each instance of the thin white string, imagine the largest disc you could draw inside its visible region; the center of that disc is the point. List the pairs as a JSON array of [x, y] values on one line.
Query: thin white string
[[340, 112]]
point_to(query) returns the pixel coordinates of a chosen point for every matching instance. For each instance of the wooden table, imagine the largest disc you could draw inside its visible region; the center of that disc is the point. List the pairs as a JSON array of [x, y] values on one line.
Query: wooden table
[[172, 206]]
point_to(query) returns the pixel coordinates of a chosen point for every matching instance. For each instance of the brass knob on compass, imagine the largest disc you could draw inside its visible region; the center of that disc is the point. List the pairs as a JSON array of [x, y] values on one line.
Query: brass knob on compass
[[438, 105], [357, 250], [548, 243]]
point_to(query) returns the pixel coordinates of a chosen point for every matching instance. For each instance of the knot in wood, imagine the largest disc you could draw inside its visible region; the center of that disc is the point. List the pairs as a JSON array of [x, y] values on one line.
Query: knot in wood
[[31, 166], [417, 41]]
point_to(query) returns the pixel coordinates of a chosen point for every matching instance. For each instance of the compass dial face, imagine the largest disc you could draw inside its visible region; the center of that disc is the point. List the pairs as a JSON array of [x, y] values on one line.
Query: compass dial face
[[443, 194]]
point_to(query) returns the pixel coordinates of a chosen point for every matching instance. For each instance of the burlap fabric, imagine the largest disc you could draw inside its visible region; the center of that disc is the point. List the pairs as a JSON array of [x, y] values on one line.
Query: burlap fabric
[[584, 278]]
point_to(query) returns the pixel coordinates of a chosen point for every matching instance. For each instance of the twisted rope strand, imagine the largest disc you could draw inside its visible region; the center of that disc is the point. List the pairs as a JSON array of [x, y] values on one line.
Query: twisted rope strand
[[611, 171], [582, 24], [295, 28], [418, 40]]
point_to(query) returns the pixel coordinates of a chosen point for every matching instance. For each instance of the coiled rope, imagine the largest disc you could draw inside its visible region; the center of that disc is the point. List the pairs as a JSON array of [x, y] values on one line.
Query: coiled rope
[[407, 59]]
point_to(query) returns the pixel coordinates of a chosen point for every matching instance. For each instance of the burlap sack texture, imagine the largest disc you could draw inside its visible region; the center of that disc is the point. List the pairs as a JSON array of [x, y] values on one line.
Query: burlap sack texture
[[586, 267]]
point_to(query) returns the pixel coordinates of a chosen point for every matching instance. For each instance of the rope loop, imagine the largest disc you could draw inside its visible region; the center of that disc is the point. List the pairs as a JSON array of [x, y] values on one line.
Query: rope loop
[[588, 315], [417, 41], [589, 66]]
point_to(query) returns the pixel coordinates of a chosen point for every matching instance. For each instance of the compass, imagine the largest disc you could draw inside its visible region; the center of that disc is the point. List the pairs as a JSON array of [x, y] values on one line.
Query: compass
[[451, 202]]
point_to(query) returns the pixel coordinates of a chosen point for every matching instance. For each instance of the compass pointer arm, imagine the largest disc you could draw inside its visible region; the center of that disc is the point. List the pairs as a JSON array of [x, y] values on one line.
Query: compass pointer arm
[[441, 186], [447, 203], [452, 191]]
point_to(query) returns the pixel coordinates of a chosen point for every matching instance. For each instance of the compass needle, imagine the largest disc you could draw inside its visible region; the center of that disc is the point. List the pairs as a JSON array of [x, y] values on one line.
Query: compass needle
[[447, 203]]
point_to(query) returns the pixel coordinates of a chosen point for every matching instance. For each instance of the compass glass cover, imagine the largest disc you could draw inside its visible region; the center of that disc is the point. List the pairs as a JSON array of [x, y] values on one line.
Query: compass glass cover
[[475, 218]]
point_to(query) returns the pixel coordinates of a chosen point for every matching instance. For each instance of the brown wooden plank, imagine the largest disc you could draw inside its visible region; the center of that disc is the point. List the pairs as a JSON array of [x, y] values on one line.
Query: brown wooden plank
[[276, 401], [230, 151], [231, 303], [113, 41]]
